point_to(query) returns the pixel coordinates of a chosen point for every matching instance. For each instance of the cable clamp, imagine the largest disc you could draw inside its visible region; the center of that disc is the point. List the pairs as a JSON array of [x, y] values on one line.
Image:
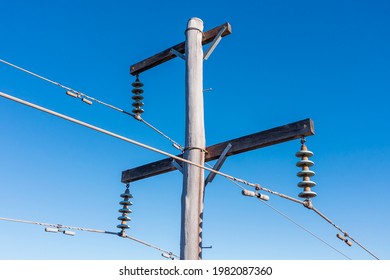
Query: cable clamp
[[137, 117], [308, 204]]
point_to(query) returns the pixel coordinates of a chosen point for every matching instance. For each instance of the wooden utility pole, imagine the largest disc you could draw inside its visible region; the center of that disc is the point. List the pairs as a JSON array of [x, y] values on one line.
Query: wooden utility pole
[[193, 177], [195, 151]]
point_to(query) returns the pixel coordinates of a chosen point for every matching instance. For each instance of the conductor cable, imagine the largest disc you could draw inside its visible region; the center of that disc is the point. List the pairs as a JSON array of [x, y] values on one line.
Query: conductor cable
[[90, 230], [51, 112]]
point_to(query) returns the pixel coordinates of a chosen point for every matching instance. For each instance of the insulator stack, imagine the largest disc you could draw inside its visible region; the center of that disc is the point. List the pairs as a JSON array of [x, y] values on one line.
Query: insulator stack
[[137, 97], [306, 173], [125, 210]]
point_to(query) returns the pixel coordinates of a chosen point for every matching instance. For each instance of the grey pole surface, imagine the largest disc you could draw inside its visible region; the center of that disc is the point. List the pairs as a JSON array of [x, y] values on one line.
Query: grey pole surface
[[193, 177]]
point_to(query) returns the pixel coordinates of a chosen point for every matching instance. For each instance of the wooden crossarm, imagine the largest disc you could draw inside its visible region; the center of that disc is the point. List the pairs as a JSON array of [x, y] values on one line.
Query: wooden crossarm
[[239, 145]]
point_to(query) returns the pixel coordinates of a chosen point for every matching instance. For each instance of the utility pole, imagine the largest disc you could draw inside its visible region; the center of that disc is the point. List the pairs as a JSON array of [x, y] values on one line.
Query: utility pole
[[195, 151], [193, 177]]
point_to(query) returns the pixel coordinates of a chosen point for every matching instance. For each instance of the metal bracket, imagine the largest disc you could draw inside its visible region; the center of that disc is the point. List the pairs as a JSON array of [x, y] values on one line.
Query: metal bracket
[[218, 164], [214, 43], [178, 54], [177, 166]]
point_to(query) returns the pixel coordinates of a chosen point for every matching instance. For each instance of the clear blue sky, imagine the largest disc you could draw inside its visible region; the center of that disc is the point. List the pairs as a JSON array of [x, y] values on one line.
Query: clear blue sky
[[285, 61]]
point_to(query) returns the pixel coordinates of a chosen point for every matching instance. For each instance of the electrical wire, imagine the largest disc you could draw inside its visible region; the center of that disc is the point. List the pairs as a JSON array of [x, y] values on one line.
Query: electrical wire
[[26, 103], [80, 94], [90, 230], [282, 195], [290, 219], [315, 210], [57, 225], [345, 233], [267, 190], [234, 179], [152, 246], [305, 229], [67, 88], [174, 143]]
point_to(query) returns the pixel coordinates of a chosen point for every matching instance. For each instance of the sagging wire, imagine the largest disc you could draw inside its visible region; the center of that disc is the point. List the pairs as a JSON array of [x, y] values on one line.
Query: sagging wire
[[87, 99], [57, 228]]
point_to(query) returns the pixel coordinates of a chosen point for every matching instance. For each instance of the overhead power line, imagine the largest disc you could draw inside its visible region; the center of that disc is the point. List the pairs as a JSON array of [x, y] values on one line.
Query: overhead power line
[[86, 98], [21, 101], [174, 143], [291, 220], [306, 203], [90, 230], [344, 232], [305, 229], [78, 93]]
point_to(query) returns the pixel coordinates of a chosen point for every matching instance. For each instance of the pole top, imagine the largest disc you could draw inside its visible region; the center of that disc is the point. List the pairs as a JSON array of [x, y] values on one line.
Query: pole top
[[195, 23]]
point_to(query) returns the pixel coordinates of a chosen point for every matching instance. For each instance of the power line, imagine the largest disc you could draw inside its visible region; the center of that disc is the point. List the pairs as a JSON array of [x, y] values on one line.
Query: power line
[[345, 233], [21, 101], [291, 220], [150, 245], [306, 203], [90, 230], [305, 229], [78, 94], [174, 143], [259, 187]]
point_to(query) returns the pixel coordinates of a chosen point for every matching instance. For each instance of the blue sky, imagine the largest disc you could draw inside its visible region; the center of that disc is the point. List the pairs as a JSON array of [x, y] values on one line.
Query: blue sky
[[285, 61]]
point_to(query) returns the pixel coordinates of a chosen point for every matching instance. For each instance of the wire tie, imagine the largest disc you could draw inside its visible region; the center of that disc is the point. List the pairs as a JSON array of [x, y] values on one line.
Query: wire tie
[[195, 148]]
